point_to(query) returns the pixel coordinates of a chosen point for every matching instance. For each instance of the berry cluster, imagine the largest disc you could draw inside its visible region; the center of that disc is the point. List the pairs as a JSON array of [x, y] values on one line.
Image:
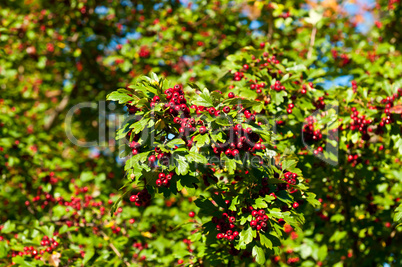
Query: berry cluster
[[144, 52], [290, 178], [239, 139], [142, 198], [135, 146], [163, 157], [278, 86], [164, 179], [360, 123], [177, 102], [290, 108], [319, 103], [238, 76], [139, 247], [187, 125], [257, 86], [249, 116], [47, 244], [309, 132], [353, 159], [261, 220], [226, 226]]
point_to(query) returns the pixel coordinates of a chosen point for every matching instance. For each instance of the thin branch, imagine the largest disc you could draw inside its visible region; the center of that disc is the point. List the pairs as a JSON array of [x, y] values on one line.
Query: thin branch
[[62, 105], [312, 41]]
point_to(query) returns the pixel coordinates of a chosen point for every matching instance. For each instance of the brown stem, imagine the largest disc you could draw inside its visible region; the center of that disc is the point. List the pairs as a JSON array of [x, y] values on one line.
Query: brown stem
[[312, 41]]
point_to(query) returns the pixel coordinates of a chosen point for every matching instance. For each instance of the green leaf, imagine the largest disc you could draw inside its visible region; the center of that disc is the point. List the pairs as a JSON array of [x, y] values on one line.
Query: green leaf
[[8, 227], [118, 96], [285, 77], [297, 68], [139, 125], [3, 249], [233, 204], [278, 97], [312, 200], [246, 236], [182, 166], [305, 250], [322, 252], [87, 176], [205, 205], [201, 140], [289, 165], [314, 17], [89, 253], [230, 164], [22, 262], [175, 142], [260, 204], [259, 254], [204, 99], [265, 241], [196, 157], [398, 213]]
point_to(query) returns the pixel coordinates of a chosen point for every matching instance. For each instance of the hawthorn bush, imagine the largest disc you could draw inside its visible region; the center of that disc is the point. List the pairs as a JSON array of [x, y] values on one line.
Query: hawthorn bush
[[219, 146], [279, 122]]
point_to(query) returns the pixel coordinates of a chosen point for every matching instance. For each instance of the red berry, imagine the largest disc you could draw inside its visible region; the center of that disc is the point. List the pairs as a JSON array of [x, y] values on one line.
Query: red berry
[[202, 130], [231, 95], [191, 214], [226, 109], [295, 205], [151, 158], [158, 182]]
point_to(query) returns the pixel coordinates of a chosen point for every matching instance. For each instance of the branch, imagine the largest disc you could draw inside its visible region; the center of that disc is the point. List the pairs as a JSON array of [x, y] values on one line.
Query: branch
[[312, 41], [62, 105]]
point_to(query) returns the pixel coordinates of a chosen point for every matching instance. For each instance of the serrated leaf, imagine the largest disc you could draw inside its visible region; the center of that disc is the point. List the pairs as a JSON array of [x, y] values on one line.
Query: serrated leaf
[[233, 204], [259, 254], [246, 236], [260, 204], [175, 142], [265, 241], [182, 166], [205, 205], [204, 99], [278, 97], [139, 125], [289, 165], [118, 96], [196, 157], [311, 199], [230, 164], [201, 140]]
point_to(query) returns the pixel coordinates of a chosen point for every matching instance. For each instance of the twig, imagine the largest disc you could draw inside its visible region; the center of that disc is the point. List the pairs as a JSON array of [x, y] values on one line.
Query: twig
[[312, 40], [62, 105]]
